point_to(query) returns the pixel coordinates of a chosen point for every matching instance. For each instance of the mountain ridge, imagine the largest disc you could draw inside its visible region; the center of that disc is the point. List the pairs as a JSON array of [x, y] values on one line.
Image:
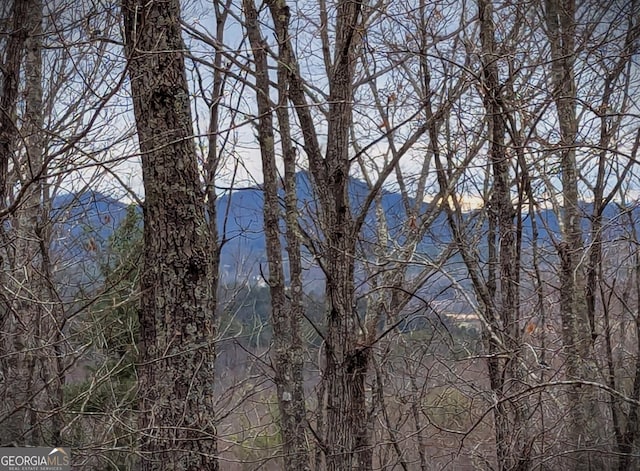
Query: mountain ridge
[[95, 216]]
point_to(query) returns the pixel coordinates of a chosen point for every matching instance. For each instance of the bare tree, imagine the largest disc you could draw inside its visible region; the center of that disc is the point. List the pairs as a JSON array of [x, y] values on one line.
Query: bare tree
[[20, 370], [577, 334], [346, 443], [285, 313], [512, 442], [467, 206], [33, 349]]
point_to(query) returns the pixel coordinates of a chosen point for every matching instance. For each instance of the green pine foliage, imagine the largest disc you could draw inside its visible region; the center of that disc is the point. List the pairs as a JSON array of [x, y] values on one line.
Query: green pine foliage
[[109, 330]]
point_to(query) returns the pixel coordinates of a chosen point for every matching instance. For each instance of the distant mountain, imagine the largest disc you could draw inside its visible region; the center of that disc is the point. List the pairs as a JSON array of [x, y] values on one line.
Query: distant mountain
[[85, 220], [91, 217], [240, 219]]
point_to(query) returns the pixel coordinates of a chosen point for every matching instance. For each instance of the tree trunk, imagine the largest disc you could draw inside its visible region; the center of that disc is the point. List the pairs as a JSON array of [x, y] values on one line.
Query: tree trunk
[[176, 372], [9, 97], [287, 345], [346, 441], [33, 372], [293, 363], [511, 437], [45, 314], [583, 406], [14, 384], [347, 359]]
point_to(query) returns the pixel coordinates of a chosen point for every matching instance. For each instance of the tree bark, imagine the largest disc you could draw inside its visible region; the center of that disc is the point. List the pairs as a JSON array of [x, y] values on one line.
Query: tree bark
[[14, 384], [293, 362], [46, 317], [347, 359], [176, 371], [583, 407], [285, 313], [511, 437], [9, 97], [33, 370], [346, 441]]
